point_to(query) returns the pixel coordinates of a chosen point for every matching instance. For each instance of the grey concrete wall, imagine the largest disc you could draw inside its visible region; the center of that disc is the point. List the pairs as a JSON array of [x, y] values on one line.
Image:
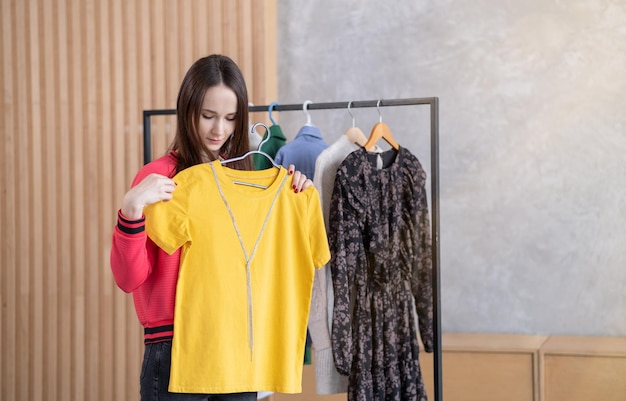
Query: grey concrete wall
[[532, 141]]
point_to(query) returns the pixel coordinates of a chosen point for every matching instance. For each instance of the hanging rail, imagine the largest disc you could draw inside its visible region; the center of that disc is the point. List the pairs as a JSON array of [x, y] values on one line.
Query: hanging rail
[[433, 102]]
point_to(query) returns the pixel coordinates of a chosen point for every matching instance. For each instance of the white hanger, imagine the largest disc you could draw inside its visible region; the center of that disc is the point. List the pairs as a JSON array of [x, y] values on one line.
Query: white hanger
[[305, 109], [252, 152], [354, 133]]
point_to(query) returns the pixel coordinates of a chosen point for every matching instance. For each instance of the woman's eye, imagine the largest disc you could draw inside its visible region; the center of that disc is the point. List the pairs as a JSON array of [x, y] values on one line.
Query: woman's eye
[[207, 117]]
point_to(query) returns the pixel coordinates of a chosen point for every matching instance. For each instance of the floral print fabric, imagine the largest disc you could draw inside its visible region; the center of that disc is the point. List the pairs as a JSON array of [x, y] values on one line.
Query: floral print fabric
[[382, 275]]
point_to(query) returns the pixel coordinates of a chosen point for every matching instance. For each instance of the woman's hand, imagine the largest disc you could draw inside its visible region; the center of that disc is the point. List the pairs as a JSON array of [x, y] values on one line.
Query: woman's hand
[[299, 182], [152, 189]]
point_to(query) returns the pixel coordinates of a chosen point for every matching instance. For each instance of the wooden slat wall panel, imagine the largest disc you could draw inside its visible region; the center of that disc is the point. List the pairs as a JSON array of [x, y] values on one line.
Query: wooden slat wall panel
[[75, 77], [50, 357], [3, 230], [8, 360]]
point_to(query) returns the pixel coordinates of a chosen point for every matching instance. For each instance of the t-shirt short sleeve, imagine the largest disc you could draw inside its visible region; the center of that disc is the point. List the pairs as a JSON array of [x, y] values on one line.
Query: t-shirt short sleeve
[[167, 222]]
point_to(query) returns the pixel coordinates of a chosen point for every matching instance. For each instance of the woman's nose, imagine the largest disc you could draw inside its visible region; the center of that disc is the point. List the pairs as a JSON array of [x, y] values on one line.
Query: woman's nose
[[218, 126]]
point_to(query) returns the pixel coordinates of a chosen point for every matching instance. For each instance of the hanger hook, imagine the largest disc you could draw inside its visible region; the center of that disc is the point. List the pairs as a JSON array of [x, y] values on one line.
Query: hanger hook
[[351, 115], [267, 131], [270, 111], [380, 116], [305, 108]]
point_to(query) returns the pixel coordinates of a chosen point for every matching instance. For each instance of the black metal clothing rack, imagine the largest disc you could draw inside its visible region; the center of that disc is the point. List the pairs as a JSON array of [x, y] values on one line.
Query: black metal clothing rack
[[433, 102]]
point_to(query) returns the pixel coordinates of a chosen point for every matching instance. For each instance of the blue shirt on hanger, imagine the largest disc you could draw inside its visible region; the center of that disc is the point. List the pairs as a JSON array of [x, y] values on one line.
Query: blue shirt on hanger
[[303, 150]]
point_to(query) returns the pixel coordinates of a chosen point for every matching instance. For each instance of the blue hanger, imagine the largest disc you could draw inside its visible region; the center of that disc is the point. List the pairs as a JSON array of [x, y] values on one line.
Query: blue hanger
[[270, 111]]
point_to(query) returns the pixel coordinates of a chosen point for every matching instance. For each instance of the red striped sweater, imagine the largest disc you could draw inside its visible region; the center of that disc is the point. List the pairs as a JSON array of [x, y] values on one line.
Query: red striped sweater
[[141, 267]]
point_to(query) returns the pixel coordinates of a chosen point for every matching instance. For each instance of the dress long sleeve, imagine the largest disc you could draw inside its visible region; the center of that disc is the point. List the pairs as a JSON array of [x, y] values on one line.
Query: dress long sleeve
[[421, 283], [343, 246], [381, 270]]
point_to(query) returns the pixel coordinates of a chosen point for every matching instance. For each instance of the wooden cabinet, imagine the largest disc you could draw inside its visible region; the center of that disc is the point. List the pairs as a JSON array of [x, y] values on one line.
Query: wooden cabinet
[[514, 367], [584, 368], [484, 367]]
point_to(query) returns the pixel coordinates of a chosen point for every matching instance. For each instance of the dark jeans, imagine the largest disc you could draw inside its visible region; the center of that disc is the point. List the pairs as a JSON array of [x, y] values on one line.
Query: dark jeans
[[155, 377]]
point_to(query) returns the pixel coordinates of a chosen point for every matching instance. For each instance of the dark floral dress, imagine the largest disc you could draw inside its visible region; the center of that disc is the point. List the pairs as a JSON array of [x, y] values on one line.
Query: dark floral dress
[[381, 265]]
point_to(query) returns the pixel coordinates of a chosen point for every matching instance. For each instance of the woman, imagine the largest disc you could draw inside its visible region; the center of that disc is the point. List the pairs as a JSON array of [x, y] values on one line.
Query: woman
[[212, 115]]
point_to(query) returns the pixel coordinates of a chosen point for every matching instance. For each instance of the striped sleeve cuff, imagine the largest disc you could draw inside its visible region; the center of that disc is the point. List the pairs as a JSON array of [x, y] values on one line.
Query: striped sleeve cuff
[[130, 226], [157, 334]]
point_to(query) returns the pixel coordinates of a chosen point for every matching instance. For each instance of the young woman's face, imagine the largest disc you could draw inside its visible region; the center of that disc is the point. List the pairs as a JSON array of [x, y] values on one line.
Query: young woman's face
[[217, 116]]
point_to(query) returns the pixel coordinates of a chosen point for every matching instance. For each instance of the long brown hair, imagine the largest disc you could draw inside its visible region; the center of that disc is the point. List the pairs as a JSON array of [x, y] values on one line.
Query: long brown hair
[[205, 73]]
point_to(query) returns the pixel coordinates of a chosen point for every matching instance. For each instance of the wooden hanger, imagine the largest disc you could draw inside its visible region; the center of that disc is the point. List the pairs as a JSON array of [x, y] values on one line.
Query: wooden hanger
[[354, 133], [380, 131]]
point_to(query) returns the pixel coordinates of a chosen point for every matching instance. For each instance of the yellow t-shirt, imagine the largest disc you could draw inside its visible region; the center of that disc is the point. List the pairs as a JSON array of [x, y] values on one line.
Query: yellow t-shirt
[[215, 349]]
